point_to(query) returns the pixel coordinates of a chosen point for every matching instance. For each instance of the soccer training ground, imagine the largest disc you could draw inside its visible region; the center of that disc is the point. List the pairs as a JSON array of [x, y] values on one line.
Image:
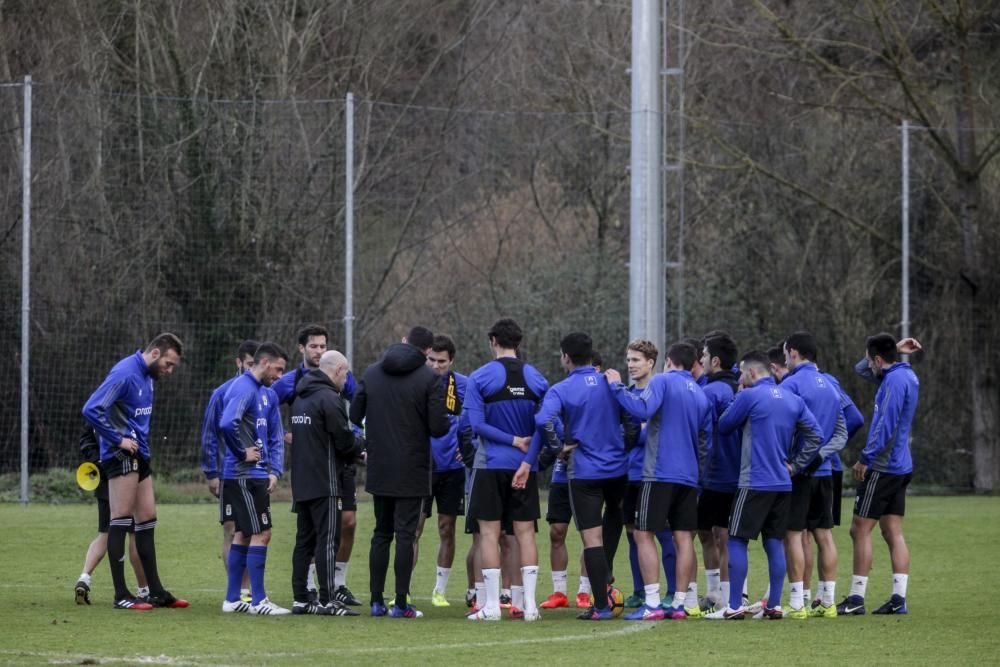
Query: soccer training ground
[[953, 543]]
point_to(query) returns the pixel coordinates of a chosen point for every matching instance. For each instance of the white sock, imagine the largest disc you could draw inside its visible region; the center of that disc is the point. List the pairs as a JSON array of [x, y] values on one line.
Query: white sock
[[480, 594], [142, 591], [529, 576], [745, 581], [859, 585], [827, 591], [491, 580], [442, 579], [899, 582], [679, 597], [517, 596], [712, 580], [795, 600], [85, 578], [340, 574], [505, 592], [652, 595], [559, 580], [806, 596], [244, 592], [723, 597], [691, 599], [311, 577], [584, 586]]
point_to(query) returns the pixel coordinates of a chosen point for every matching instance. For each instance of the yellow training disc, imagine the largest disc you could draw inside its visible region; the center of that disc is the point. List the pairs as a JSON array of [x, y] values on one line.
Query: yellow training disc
[[88, 476]]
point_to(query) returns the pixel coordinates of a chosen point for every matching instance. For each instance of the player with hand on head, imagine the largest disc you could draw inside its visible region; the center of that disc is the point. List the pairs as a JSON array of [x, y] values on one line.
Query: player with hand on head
[[254, 460], [120, 410], [883, 471]]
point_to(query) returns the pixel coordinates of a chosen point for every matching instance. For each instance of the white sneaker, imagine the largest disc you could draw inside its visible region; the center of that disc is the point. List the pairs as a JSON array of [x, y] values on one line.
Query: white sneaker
[[727, 614], [238, 607], [531, 615], [484, 615], [267, 608]]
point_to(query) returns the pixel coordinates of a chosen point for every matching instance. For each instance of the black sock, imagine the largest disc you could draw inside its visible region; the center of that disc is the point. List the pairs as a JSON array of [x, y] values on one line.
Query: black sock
[[597, 570], [147, 554], [116, 554]]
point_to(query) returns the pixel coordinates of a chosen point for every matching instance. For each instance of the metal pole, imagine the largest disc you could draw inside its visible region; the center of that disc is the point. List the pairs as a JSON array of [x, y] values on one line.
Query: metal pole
[[905, 323], [647, 283], [25, 282], [349, 232], [681, 122]]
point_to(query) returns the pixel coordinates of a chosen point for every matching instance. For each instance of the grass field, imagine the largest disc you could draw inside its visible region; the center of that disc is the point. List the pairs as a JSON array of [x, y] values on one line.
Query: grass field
[[953, 541]]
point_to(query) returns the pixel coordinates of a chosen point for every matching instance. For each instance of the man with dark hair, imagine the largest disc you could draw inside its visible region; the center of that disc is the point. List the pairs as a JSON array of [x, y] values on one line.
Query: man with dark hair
[[448, 481], [722, 474], [120, 410], [678, 433], [592, 422], [883, 471], [776, 362], [254, 460], [212, 455], [697, 370], [501, 400], [313, 340], [324, 442], [404, 405], [812, 491], [770, 418]]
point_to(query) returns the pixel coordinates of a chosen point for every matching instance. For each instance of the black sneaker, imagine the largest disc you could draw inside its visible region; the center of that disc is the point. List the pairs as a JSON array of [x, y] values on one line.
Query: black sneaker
[[165, 600], [132, 603], [312, 595], [505, 601], [82, 591], [895, 605], [338, 608], [345, 596], [852, 605], [309, 607]]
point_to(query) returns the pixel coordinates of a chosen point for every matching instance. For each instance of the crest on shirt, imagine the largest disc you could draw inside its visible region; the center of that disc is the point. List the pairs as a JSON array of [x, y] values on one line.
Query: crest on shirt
[[264, 400], [591, 380], [776, 392]]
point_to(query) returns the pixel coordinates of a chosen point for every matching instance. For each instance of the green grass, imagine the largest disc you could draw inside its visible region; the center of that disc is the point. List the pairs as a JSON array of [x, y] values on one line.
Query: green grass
[[952, 541]]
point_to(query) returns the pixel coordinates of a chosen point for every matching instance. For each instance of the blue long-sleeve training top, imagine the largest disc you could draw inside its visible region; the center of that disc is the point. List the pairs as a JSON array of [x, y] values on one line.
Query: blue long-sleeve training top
[[121, 406], [888, 446], [501, 399], [592, 419], [211, 433], [770, 418], [445, 448], [250, 418], [284, 387], [678, 427], [723, 470], [824, 401], [853, 419], [637, 454]]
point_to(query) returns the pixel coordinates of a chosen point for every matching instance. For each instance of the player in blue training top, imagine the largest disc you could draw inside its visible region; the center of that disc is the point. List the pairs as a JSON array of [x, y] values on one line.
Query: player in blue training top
[[448, 478], [812, 491], [501, 399], [722, 474], [119, 410], [678, 420], [770, 418], [254, 459], [313, 341], [212, 450], [597, 467], [883, 471]]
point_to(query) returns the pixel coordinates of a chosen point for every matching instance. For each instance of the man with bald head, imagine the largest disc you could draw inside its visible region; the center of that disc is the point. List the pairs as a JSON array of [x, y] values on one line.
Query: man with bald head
[[324, 443]]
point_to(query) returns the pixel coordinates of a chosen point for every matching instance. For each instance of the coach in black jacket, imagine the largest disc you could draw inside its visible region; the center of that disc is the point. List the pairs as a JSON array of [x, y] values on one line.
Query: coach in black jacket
[[323, 444], [401, 401]]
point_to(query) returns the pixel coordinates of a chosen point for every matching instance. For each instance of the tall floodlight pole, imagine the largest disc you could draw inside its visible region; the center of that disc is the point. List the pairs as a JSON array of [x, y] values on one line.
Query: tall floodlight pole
[[25, 283], [349, 231], [904, 324], [647, 283]]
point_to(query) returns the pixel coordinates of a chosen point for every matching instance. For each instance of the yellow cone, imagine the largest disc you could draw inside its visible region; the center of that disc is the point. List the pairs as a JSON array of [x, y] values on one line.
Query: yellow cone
[[88, 476]]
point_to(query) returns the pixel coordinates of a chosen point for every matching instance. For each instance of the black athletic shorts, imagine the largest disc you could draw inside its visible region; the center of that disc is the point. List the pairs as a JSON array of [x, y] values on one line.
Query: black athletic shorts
[[881, 493], [251, 504], [759, 513], [838, 493], [560, 510], [811, 505], [590, 497], [666, 505], [125, 464], [713, 509], [494, 499], [226, 510], [630, 501], [347, 480], [448, 489]]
